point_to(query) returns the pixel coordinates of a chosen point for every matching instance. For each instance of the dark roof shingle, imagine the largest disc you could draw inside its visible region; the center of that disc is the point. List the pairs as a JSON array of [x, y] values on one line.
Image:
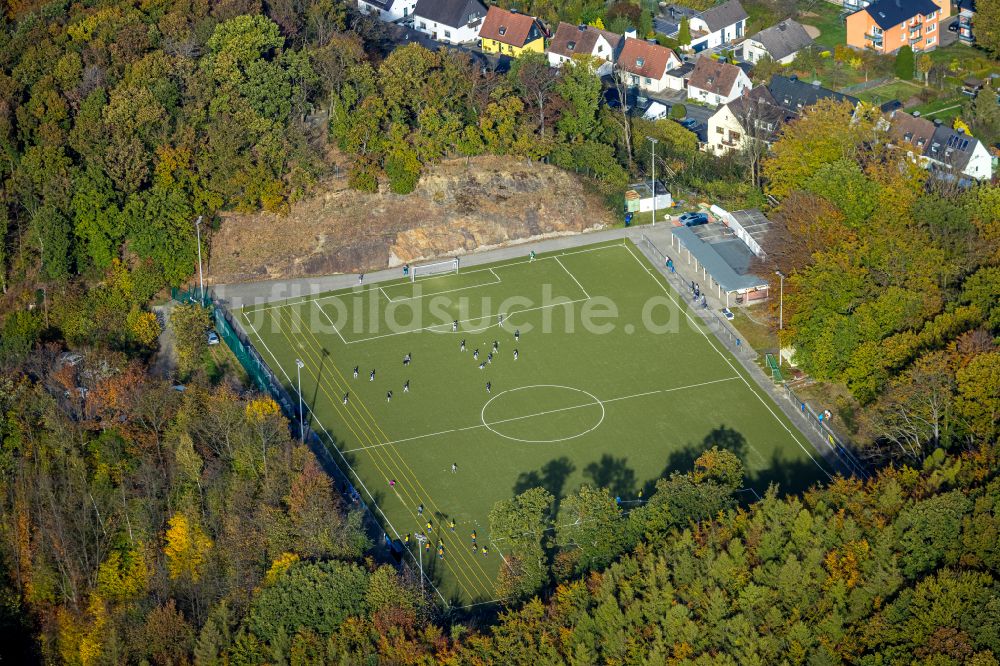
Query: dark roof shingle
[[890, 13], [783, 39], [454, 13], [727, 13], [795, 95]]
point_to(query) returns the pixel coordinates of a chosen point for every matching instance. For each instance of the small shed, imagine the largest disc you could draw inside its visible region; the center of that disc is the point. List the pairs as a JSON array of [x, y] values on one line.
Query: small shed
[[639, 198]]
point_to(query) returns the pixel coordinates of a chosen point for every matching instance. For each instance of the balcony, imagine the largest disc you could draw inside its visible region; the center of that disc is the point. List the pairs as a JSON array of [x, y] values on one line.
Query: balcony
[[876, 40]]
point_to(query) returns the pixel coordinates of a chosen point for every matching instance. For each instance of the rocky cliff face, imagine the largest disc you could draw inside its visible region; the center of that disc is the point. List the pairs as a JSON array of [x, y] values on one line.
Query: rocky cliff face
[[457, 207]]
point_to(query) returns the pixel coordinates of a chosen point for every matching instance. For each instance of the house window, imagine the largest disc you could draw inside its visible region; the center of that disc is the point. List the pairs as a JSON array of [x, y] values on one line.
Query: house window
[[876, 30], [570, 45], [600, 48], [639, 62], [931, 28], [649, 82], [502, 30], [734, 136], [423, 25], [447, 33], [930, 40], [635, 80], [720, 130]]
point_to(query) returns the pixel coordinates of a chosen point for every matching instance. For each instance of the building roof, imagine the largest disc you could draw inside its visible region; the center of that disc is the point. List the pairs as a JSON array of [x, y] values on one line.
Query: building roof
[[952, 147], [911, 132], [795, 95], [725, 257], [783, 39], [453, 13], [714, 76], [571, 40], [727, 13], [890, 13], [682, 72], [758, 107], [508, 27], [384, 5], [642, 58]]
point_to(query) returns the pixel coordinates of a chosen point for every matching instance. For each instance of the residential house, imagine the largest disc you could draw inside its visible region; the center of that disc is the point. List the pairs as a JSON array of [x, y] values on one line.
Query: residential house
[[645, 65], [855, 5], [948, 152], [510, 33], [887, 25], [794, 94], [450, 21], [966, 14], [722, 24], [753, 116], [716, 82], [782, 42], [573, 41], [387, 10]]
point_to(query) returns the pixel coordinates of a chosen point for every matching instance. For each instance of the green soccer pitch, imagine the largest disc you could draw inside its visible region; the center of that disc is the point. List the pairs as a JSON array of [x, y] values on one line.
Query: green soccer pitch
[[615, 384]]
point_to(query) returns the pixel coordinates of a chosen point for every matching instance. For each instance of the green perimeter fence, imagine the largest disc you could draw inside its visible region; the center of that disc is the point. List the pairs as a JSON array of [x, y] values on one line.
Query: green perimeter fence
[[267, 382]]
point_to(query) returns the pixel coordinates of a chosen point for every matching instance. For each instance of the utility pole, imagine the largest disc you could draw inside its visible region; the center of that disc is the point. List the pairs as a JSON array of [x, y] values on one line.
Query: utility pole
[[420, 553], [652, 150], [302, 422], [781, 300], [201, 279]]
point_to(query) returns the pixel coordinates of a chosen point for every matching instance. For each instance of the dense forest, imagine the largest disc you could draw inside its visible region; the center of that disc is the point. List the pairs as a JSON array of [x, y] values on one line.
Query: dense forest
[[140, 523]]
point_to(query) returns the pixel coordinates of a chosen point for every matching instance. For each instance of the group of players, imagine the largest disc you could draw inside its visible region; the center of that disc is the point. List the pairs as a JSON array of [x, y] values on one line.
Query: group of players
[[407, 360]]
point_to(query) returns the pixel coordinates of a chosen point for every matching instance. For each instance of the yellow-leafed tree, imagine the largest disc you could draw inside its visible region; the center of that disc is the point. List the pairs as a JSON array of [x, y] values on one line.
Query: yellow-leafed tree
[[186, 548]]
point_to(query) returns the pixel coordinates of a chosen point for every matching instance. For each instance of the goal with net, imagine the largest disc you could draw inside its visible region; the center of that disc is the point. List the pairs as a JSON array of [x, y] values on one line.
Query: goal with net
[[438, 268]]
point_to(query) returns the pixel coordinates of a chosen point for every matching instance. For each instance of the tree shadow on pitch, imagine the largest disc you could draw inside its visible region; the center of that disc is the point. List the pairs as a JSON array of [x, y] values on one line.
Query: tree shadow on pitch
[[552, 476], [612, 473], [682, 460]]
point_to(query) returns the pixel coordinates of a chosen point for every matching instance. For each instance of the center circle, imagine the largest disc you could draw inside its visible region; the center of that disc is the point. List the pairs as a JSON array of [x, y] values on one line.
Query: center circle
[[571, 413]]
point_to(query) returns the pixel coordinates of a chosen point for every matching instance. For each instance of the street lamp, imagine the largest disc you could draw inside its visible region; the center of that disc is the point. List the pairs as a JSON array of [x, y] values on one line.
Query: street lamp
[[302, 422], [420, 553], [781, 300], [652, 150], [201, 280]]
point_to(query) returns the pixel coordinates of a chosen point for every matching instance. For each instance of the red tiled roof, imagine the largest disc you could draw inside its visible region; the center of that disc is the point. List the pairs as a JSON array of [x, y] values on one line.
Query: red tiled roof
[[714, 76], [582, 38], [642, 58], [507, 27]]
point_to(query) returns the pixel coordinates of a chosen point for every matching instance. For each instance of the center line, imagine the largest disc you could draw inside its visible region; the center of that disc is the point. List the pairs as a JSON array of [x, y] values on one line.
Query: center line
[[550, 411]]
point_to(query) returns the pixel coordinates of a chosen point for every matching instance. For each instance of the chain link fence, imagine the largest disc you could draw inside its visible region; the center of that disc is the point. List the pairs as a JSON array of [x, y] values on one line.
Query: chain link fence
[[232, 333]]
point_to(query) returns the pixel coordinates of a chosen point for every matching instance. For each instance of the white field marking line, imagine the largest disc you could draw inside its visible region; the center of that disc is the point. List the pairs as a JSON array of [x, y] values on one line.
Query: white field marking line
[[341, 454], [494, 274], [343, 292], [437, 293], [687, 314], [573, 276], [334, 326], [463, 321], [550, 411]]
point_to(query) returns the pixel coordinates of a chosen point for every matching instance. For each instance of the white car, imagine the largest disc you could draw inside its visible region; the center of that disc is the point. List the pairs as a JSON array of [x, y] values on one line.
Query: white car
[[728, 314], [213, 338]]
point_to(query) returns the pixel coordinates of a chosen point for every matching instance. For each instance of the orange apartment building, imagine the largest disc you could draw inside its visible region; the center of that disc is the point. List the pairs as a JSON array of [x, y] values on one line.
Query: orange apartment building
[[886, 25]]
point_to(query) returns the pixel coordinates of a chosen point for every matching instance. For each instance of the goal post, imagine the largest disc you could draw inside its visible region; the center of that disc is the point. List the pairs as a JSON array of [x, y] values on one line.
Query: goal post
[[437, 268]]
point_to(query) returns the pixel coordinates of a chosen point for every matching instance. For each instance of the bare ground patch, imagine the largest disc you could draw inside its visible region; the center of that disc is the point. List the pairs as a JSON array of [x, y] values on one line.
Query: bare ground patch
[[458, 206]]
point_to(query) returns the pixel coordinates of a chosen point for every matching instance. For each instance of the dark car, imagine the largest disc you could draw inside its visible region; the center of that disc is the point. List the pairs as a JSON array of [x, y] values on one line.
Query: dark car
[[693, 219], [953, 27], [689, 123]]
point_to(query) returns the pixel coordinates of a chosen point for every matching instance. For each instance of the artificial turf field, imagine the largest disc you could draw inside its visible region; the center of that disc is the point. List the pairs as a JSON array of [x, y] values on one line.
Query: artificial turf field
[[616, 402]]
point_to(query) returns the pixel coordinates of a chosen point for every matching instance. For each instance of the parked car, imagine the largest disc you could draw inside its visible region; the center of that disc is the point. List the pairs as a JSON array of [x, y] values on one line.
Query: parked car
[[213, 338], [693, 219], [728, 314], [689, 123], [953, 27]]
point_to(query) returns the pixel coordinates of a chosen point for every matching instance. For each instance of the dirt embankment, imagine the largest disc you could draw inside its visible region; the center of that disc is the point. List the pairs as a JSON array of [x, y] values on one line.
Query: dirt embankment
[[457, 207]]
